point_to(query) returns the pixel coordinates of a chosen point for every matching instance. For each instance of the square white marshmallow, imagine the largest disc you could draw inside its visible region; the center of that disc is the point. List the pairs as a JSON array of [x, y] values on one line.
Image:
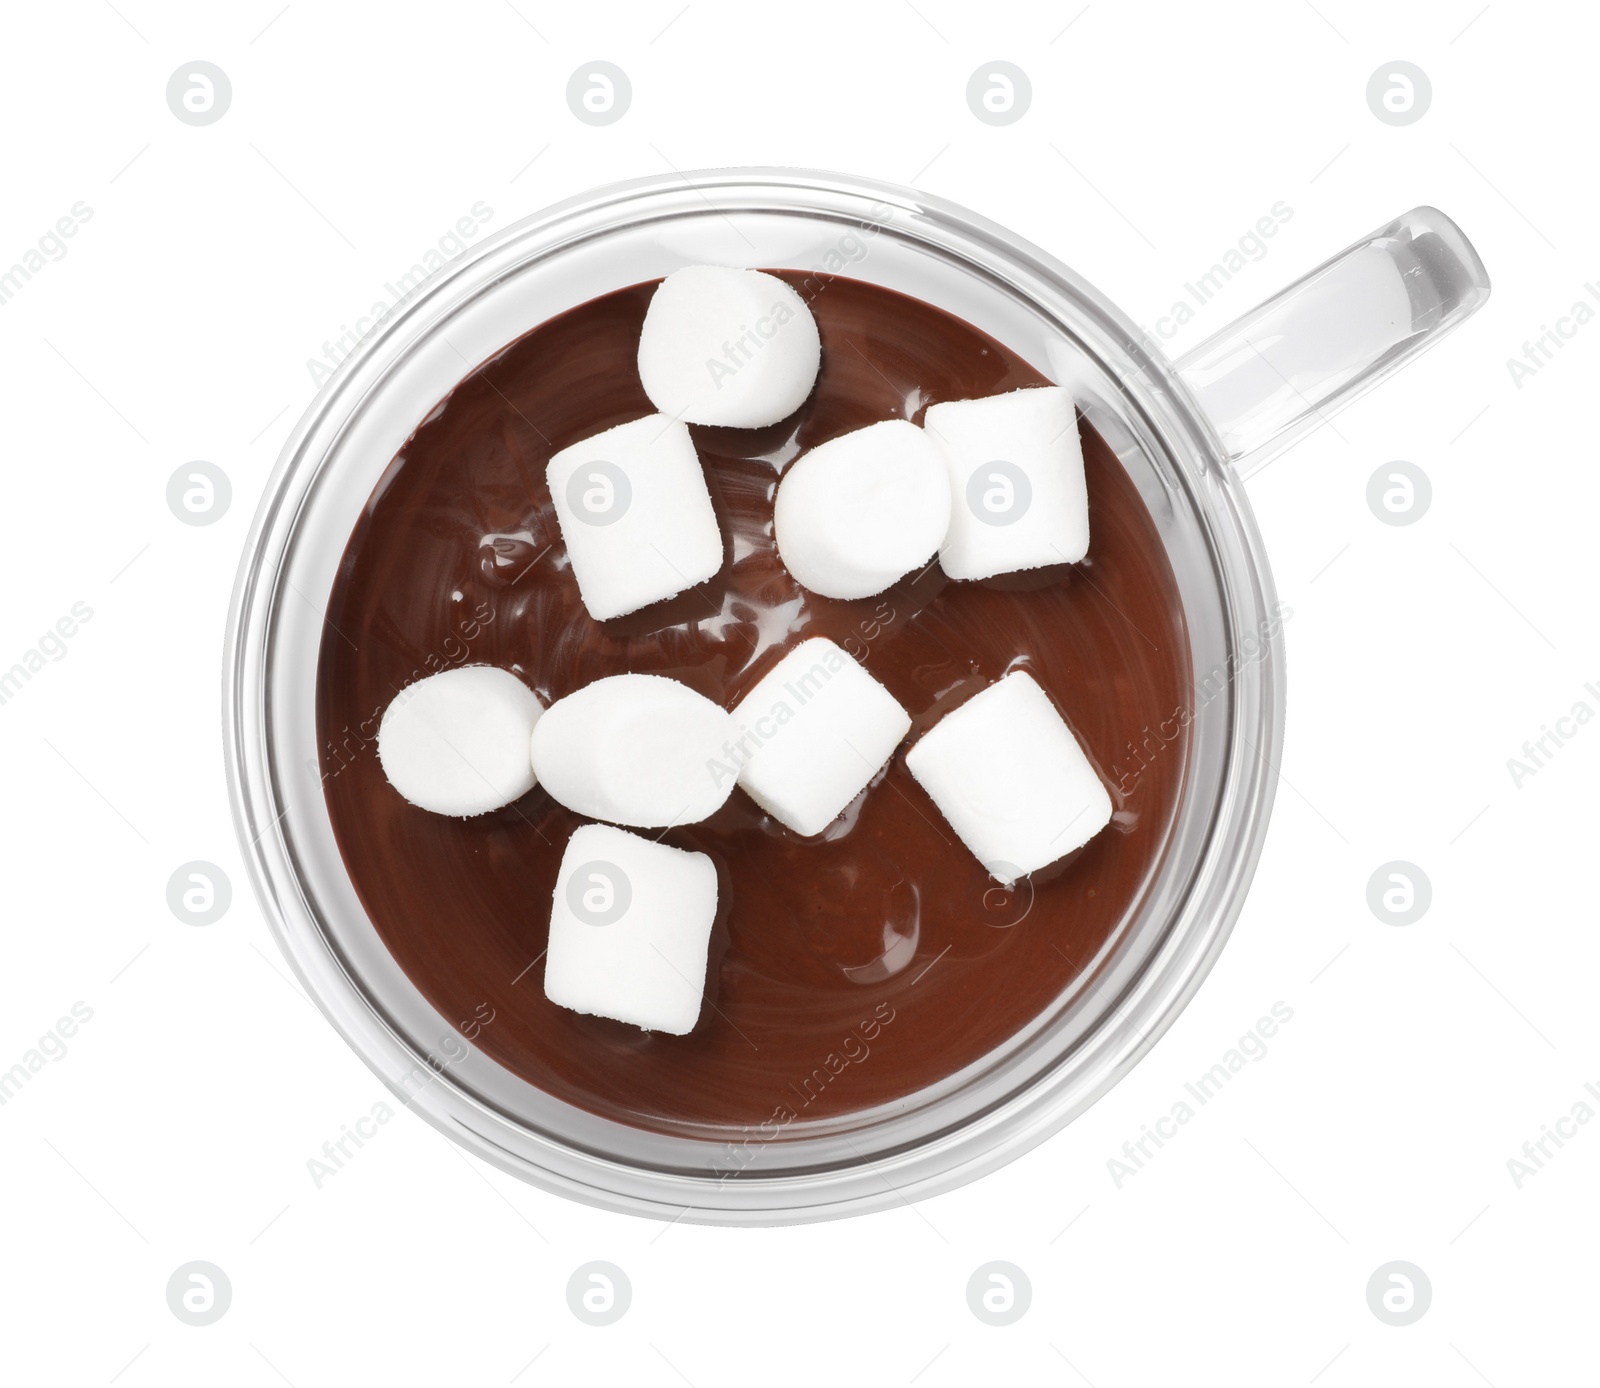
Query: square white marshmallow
[[1017, 494], [629, 929], [635, 514], [812, 733], [1007, 773]]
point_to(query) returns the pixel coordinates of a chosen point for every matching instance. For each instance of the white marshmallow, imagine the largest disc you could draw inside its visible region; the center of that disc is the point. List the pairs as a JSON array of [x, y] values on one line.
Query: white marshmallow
[[629, 929], [862, 510], [731, 347], [1007, 773], [812, 733], [635, 514], [1017, 494], [640, 750], [457, 742]]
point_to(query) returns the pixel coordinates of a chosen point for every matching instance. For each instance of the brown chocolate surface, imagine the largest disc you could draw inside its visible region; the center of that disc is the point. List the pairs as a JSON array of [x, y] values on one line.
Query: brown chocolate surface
[[848, 970]]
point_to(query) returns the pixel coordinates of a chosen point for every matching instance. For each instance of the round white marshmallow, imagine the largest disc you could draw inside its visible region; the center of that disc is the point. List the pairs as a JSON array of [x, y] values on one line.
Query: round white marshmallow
[[862, 510], [730, 347], [456, 743], [640, 750]]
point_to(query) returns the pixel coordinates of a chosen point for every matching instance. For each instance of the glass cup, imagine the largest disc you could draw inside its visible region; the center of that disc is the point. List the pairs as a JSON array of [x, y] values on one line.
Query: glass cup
[[1187, 432]]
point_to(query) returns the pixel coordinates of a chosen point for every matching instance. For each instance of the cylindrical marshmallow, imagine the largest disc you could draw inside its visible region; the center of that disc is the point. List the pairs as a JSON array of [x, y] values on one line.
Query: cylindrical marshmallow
[[731, 347], [857, 513], [639, 750], [457, 742]]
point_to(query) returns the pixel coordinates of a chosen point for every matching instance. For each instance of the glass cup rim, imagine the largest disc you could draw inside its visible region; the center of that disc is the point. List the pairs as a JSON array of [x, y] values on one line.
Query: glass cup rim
[[945, 1158]]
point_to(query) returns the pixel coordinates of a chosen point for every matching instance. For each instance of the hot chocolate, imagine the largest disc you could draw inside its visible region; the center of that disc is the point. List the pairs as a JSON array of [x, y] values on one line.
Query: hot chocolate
[[848, 970]]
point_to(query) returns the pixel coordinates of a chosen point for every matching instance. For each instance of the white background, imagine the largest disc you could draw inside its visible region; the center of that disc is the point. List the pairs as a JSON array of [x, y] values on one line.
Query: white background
[[1419, 1059]]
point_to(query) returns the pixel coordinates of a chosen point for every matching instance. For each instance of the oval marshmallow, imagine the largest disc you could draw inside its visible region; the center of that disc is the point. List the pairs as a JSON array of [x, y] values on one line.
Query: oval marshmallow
[[730, 347], [456, 743], [639, 750], [862, 510]]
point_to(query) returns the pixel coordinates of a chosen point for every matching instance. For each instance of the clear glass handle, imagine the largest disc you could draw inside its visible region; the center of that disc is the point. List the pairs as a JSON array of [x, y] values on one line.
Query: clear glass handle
[[1288, 365]]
